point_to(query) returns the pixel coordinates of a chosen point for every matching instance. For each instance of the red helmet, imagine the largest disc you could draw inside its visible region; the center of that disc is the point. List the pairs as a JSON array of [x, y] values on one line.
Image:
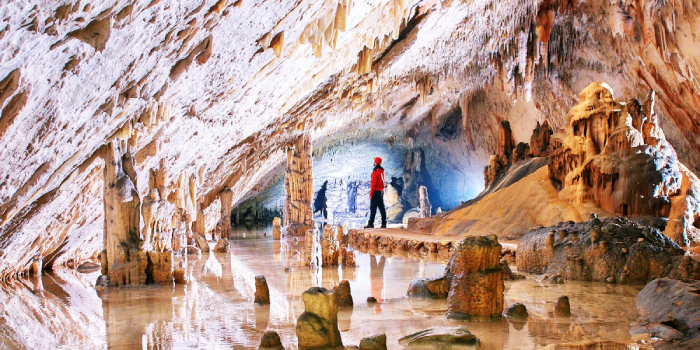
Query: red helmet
[[378, 160]]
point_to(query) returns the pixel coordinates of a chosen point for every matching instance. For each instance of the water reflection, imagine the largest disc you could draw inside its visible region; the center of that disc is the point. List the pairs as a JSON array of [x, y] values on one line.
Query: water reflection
[[216, 310]]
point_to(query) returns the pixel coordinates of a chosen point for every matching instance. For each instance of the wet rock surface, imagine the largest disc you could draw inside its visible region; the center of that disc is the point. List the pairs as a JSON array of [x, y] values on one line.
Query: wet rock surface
[[317, 327], [473, 281], [342, 292], [439, 338], [271, 341], [562, 307], [375, 342], [517, 311], [613, 250], [262, 292], [669, 310]]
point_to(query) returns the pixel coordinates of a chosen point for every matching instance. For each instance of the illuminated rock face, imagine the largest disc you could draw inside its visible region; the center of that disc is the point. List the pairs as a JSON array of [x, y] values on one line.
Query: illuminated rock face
[[603, 158], [170, 79]]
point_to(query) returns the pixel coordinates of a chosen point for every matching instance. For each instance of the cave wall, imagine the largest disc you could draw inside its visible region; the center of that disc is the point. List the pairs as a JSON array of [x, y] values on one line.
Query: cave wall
[[218, 88]]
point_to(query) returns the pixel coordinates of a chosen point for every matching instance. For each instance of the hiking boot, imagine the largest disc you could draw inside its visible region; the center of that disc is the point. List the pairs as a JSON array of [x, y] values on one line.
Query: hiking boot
[[369, 226], [383, 224]]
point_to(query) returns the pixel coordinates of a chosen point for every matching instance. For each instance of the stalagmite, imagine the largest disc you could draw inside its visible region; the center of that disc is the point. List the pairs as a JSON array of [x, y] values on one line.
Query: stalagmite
[[276, 229], [425, 207], [317, 327], [330, 247], [226, 197], [504, 153], [262, 293], [122, 259], [473, 281], [298, 185]]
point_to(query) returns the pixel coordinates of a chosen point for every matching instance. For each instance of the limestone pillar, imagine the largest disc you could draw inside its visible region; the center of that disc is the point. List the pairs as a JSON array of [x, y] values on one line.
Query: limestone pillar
[[122, 259], [226, 198], [276, 229], [199, 229], [298, 186], [425, 207]]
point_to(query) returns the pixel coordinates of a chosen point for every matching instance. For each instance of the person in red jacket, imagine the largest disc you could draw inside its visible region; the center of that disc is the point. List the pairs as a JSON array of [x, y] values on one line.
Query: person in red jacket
[[376, 194]]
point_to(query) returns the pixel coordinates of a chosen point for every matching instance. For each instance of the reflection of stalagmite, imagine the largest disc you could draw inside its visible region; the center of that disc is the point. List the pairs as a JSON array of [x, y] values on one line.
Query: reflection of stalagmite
[[298, 185]]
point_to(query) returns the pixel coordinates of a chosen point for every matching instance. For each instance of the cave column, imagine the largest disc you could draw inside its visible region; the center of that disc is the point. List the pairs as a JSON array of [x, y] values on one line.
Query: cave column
[[226, 199], [298, 186], [123, 262]]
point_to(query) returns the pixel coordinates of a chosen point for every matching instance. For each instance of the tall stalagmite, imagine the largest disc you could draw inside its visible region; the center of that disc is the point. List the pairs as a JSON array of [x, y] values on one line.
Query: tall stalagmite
[[298, 185], [122, 259]]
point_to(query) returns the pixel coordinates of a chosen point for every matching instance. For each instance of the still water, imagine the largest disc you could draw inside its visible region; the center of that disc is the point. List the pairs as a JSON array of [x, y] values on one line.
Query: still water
[[215, 309]]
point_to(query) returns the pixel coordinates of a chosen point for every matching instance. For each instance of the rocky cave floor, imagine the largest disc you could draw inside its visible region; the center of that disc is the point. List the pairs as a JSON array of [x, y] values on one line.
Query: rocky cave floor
[[216, 310]]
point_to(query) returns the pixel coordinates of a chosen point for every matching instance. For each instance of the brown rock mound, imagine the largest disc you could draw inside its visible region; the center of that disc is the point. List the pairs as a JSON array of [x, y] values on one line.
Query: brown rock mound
[[473, 281], [599, 250], [670, 311]]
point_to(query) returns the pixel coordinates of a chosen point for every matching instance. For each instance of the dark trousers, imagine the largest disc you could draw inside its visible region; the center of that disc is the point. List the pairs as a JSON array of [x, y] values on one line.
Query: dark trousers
[[377, 202]]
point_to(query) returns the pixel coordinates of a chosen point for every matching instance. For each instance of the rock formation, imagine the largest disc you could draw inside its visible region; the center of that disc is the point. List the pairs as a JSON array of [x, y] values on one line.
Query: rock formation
[[539, 141], [342, 292], [298, 186], [262, 293], [330, 247], [276, 229], [603, 159], [473, 281], [504, 153], [375, 342], [517, 311], [439, 338], [562, 307], [425, 208], [271, 341], [597, 250], [317, 327], [669, 311], [122, 259]]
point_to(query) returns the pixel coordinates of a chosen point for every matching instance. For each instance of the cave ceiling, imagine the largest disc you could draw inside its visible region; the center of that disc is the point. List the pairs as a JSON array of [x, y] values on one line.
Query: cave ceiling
[[216, 89]]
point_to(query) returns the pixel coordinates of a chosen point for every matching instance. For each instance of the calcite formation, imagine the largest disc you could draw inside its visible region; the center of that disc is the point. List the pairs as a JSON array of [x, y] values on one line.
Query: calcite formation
[[317, 327], [611, 250], [616, 155], [298, 186], [473, 281], [122, 259]]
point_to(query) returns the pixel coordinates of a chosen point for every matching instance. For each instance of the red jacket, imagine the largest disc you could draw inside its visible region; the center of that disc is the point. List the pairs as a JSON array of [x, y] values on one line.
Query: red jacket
[[377, 183]]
